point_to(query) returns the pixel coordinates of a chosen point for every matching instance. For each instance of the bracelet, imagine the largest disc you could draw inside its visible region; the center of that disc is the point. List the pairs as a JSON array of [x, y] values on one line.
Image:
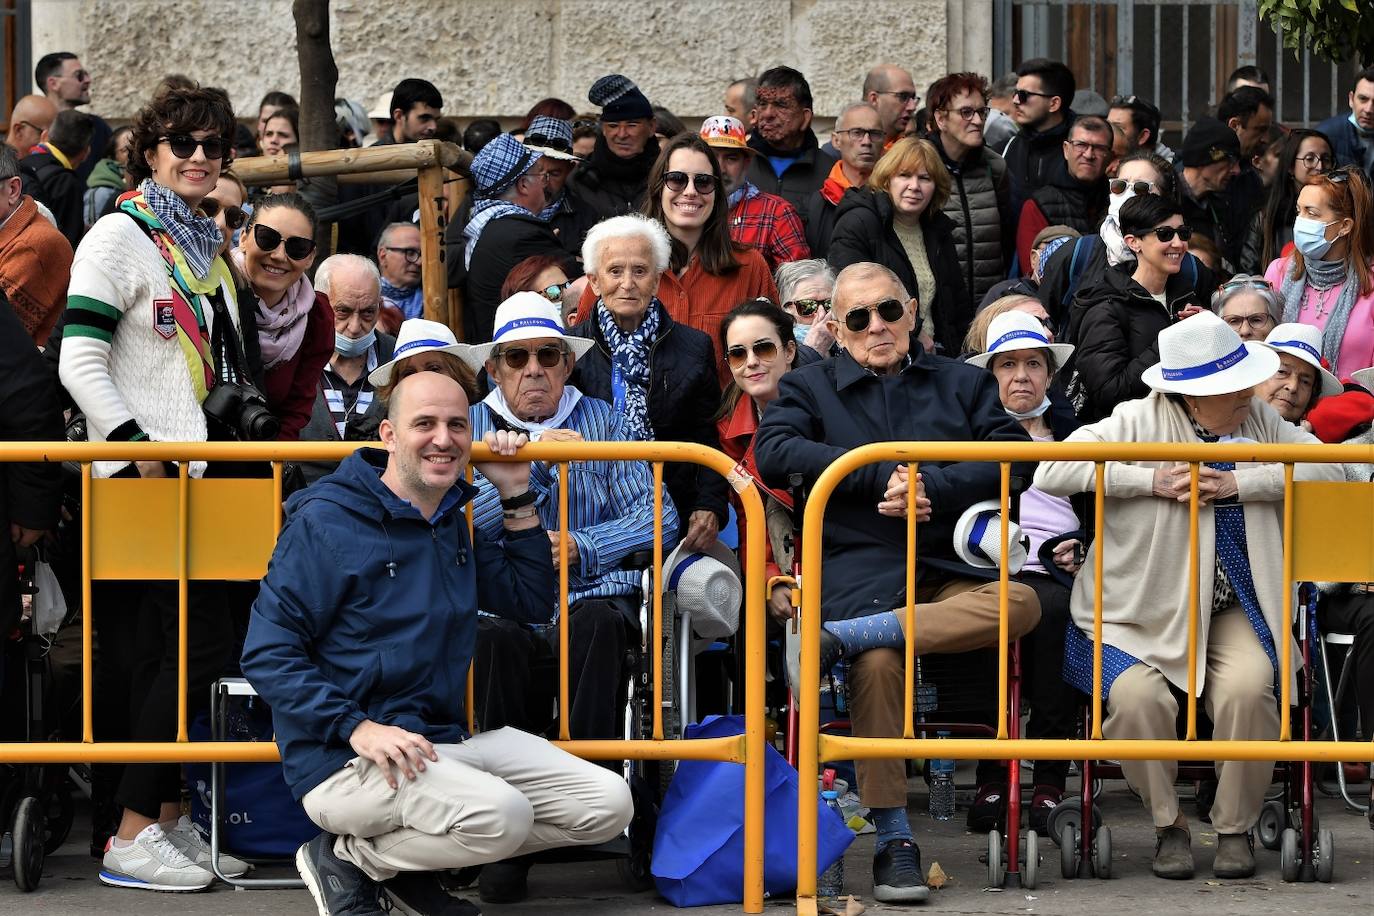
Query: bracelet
[[516, 502], [513, 514]]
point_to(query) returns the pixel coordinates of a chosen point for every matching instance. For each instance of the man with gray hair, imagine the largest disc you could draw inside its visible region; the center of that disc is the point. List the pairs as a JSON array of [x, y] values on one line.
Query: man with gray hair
[[1000, 126], [346, 407], [398, 259], [858, 144], [878, 389]]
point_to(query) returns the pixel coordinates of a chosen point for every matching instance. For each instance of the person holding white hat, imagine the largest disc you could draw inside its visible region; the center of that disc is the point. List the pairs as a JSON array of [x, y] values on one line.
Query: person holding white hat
[[1020, 354], [1202, 391], [422, 346], [610, 515], [1301, 377]]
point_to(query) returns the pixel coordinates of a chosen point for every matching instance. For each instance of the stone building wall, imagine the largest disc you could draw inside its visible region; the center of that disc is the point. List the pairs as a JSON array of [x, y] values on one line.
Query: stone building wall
[[497, 57]]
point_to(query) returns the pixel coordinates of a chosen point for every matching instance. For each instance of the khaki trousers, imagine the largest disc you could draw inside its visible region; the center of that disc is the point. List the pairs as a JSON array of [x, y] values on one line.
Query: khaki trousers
[[499, 794], [956, 615], [1239, 699]]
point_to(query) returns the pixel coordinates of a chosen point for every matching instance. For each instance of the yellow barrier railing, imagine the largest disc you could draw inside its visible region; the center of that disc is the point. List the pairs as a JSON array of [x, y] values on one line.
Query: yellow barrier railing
[[1348, 558], [156, 538]]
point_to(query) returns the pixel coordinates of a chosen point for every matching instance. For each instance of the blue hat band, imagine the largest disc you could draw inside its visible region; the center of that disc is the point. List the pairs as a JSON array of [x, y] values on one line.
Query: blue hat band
[[409, 345], [519, 323], [1205, 369], [682, 566], [975, 535], [1019, 334], [1302, 345]]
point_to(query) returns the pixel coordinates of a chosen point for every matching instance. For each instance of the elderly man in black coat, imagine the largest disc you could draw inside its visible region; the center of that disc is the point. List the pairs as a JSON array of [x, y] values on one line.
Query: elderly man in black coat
[[882, 388]]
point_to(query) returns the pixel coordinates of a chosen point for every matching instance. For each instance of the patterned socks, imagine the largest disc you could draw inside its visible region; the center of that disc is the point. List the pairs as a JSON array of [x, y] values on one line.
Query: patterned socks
[[876, 631]]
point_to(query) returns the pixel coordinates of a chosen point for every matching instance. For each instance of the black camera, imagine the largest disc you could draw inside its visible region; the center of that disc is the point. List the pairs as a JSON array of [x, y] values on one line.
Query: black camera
[[242, 410]]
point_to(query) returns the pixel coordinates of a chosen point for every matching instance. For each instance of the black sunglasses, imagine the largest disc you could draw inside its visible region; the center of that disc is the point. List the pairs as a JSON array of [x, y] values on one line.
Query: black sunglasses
[[704, 182], [1023, 96], [765, 350], [298, 247], [554, 291], [548, 356], [857, 319], [557, 143], [183, 146], [1139, 188], [233, 216], [808, 307], [1167, 233]]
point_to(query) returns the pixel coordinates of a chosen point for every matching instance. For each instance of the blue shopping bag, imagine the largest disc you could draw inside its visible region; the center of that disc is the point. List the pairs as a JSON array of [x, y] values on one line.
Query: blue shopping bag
[[699, 844]]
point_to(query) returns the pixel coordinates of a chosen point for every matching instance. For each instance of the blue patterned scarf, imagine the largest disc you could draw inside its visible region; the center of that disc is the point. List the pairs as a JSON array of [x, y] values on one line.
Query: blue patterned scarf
[[483, 212], [630, 368], [197, 236]]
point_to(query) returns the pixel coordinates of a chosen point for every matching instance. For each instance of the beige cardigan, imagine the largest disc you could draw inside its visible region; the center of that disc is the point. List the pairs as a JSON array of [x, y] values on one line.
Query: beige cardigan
[[1145, 565]]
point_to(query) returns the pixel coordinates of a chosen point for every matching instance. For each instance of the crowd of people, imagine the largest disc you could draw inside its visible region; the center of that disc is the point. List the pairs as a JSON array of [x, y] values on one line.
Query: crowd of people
[[1015, 261]]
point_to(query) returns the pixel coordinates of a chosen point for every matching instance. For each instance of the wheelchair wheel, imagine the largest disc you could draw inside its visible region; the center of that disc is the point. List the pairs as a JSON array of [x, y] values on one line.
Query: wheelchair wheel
[[1068, 852], [1271, 823], [1325, 856], [1069, 811], [674, 700], [996, 874], [1288, 855], [1102, 852], [28, 833], [1030, 869]]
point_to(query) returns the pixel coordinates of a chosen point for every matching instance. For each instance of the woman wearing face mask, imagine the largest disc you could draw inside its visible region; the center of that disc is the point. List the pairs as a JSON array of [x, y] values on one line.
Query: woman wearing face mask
[[1080, 269], [1327, 282], [1116, 337], [1305, 154], [295, 324], [804, 289]]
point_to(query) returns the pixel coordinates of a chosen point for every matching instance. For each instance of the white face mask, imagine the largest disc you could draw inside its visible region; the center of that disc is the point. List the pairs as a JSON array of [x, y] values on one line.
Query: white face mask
[[1115, 202]]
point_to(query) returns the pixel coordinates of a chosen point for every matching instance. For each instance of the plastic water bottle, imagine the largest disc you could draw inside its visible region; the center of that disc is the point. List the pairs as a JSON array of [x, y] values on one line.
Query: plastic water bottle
[[831, 882], [942, 786]]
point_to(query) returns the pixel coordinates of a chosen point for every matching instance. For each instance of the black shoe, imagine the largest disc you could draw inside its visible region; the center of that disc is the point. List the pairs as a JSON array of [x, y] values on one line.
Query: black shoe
[[1043, 802], [339, 888], [419, 893], [989, 808], [897, 875], [504, 882], [832, 650]]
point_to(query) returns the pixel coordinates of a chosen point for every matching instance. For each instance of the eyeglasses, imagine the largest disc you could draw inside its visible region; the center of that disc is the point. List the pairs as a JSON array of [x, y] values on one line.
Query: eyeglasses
[[808, 307], [765, 350], [903, 96], [857, 134], [1118, 186], [1246, 281], [1023, 96], [80, 75], [554, 293], [412, 255], [968, 112], [1083, 147], [1167, 233], [858, 318], [184, 146], [1317, 161], [1258, 322], [30, 125], [233, 216], [703, 182], [298, 247], [548, 356]]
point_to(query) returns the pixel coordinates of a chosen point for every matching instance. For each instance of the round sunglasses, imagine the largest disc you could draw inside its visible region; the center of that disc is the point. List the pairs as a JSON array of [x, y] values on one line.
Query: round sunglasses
[[233, 216], [857, 319], [183, 146], [298, 247], [1140, 188], [765, 350], [554, 291], [548, 356], [703, 182]]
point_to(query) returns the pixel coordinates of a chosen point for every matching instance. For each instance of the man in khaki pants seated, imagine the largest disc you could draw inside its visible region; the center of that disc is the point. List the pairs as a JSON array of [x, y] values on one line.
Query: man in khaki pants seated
[[361, 639]]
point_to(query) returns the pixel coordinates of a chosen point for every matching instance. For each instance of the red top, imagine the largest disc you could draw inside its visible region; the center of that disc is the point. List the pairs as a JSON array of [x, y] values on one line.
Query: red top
[[736, 431], [770, 224], [291, 384]]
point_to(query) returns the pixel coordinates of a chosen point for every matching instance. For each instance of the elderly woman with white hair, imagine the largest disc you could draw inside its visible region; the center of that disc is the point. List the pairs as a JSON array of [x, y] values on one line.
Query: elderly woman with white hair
[[659, 375], [1249, 305], [1202, 391]]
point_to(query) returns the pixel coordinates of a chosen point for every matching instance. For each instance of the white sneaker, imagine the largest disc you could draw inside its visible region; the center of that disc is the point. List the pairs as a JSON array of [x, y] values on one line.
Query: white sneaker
[[152, 863], [187, 837]]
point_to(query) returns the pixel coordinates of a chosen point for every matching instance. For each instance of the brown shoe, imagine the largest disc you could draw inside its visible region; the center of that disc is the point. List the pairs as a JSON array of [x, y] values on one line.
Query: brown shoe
[[1173, 854], [1235, 856]]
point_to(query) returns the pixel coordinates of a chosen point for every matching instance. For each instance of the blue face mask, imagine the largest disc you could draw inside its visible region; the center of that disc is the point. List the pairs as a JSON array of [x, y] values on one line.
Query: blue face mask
[[348, 347], [799, 332], [1309, 235]]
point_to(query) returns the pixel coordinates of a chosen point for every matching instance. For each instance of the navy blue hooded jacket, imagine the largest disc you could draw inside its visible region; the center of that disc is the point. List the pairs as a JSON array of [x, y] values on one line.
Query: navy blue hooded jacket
[[339, 634]]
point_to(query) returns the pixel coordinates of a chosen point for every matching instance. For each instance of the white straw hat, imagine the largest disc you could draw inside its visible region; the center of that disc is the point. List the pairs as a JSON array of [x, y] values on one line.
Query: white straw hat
[[978, 538], [417, 336], [708, 588], [1201, 355], [1304, 342], [1364, 377], [1017, 330], [524, 316]]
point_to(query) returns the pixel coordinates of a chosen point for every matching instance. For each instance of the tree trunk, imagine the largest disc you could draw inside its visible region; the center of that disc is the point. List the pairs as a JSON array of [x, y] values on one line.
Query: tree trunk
[[318, 129]]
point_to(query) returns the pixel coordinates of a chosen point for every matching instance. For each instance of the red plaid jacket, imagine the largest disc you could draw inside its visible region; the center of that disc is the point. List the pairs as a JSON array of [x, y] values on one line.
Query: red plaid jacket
[[770, 224]]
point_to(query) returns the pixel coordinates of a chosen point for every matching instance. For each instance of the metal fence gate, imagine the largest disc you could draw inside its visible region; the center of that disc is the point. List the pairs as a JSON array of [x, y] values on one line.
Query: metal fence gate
[[16, 70], [1177, 53]]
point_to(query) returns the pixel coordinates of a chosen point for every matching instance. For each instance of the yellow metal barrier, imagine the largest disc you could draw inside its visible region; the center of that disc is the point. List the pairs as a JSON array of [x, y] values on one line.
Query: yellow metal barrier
[[174, 530], [1350, 557]]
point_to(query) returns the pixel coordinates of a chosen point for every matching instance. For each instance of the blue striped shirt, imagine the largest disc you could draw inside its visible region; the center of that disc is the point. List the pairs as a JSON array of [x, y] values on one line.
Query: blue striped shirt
[[611, 512]]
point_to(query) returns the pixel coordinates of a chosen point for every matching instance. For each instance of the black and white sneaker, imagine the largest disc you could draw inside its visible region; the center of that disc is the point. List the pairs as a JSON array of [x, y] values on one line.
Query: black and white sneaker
[[897, 875], [339, 888], [420, 893]]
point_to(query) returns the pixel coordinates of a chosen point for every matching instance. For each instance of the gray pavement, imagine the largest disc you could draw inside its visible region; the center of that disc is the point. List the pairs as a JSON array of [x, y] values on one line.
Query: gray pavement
[[70, 886]]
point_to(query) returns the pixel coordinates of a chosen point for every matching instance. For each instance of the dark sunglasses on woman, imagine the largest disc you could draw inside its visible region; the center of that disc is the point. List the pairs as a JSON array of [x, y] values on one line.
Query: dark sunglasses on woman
[[183, 146], [858, 318], [548, 356], [298, 247], [704, 182], [1167, 233], [554, 292], [233, 216], [765, 350], [1139, 188], [808, 307]]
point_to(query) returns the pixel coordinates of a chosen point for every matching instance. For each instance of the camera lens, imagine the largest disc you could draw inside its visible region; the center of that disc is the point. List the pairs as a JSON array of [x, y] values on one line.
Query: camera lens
[[258, 424]]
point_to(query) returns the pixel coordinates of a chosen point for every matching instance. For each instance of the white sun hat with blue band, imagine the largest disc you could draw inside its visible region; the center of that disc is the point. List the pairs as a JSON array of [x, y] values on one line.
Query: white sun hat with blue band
[[978, 538], [524, 316], [1017, 330], [1201, 355], [1304, 342], [415, 337]]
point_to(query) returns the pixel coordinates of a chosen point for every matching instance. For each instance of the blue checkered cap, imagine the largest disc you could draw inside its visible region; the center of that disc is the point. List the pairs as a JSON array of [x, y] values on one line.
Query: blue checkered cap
[[500, 163]]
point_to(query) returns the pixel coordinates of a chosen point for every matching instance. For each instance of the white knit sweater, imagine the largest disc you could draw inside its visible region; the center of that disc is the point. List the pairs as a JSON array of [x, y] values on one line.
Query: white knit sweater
[[137, 374]]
